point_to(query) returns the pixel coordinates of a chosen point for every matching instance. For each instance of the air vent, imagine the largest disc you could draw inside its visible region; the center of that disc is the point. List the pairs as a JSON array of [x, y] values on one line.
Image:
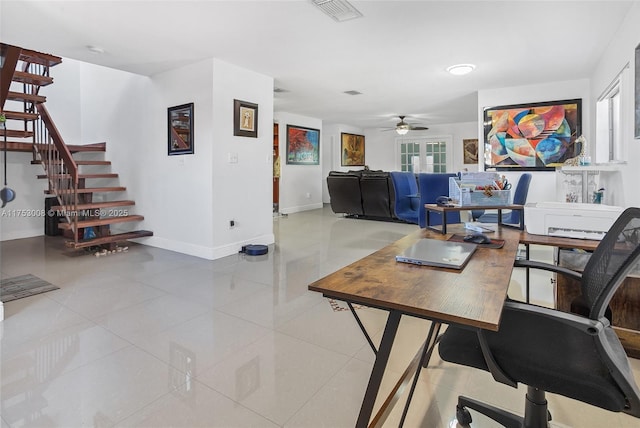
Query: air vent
[[353, 93], [339, 10]]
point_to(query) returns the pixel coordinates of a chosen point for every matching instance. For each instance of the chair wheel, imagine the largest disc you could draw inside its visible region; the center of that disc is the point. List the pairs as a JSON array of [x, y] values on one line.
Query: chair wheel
[[463, 416]]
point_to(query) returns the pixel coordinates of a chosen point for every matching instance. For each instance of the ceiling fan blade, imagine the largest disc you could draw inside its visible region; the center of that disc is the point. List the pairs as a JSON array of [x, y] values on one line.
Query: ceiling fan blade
[[417, 128]]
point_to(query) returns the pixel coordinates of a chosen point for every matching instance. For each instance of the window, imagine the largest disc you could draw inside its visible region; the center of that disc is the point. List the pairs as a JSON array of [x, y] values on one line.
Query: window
[[425, 154], [610, 120]]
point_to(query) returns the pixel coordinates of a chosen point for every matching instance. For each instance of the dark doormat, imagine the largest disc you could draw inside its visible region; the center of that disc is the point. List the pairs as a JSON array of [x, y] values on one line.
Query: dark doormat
[[23, 286]]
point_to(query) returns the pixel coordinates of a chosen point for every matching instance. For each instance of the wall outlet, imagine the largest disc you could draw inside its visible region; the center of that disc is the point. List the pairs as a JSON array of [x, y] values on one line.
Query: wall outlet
[[232, 224], [308, 195]]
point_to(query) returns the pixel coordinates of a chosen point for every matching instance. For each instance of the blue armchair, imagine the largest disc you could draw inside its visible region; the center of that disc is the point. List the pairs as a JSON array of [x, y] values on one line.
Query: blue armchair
[[433, 186], [519, 198], [406, 196]]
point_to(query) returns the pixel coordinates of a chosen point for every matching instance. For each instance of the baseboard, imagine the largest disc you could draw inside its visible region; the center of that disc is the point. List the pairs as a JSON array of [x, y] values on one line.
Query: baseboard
[[300, 208], [20, 234], [209, 253]]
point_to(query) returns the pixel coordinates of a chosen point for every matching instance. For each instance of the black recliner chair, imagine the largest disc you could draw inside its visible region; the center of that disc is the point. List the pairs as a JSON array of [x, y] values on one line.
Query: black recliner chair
[[577, 356], [346, 196]]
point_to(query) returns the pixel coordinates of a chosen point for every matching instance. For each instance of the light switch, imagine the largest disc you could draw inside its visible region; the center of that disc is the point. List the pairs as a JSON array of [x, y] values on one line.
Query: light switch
[[233, 158]]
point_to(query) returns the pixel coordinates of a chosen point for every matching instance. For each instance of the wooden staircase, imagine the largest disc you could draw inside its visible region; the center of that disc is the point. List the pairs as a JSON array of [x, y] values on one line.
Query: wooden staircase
[[86, 212]]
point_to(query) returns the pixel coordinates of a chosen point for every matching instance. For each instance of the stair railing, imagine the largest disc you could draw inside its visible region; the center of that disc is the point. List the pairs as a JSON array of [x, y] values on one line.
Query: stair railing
[[10, 56], [59, 165]]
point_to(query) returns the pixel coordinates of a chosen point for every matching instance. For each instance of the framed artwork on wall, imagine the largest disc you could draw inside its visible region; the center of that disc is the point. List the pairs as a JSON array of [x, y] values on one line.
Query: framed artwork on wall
[[637, 93], [351, 149], [180, 129], [534, 136], [245, 119], [303, 145], [470, 150]]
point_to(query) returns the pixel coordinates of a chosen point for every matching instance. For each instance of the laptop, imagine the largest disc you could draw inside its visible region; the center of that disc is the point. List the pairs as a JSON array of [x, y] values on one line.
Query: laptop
[[438, 253]]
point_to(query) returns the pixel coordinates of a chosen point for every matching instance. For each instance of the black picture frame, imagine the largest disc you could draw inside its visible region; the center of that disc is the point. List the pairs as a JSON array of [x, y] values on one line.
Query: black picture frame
[[245, 119], [637, 94], [533, 136], [180, 129], [303, 145]]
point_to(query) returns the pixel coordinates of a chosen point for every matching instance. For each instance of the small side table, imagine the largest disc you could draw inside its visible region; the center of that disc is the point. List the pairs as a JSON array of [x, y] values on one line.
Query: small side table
[[453, 208]]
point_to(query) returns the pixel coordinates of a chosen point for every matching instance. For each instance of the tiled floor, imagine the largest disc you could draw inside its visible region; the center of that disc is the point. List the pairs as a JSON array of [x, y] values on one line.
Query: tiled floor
[[152, 338]]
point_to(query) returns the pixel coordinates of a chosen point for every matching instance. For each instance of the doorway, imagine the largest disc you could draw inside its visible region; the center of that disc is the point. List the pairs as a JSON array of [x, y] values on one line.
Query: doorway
[[276, 169]]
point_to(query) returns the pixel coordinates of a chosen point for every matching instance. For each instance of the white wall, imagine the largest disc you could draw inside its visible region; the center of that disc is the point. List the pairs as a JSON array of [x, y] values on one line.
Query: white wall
[[543, 183], [300, 185], [620, 51], [242, 191], [382, 152], [22, 218], [187, 200]]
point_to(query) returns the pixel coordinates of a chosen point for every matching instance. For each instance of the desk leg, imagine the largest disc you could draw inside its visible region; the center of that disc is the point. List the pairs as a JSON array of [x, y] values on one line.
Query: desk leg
[[382, 357], [427, 350], [444, 222], [526, 274]]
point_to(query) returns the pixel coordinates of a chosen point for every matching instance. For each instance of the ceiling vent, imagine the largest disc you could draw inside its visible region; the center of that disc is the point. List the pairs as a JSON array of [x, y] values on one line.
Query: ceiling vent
[[339, 10]]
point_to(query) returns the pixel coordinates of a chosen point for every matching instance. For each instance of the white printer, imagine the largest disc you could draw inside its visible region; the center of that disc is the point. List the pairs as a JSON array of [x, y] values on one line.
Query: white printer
[[570, 220]]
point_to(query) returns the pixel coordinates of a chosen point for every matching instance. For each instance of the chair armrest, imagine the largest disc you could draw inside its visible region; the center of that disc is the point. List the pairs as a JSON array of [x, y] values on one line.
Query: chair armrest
[[568, 318], [549, 267]]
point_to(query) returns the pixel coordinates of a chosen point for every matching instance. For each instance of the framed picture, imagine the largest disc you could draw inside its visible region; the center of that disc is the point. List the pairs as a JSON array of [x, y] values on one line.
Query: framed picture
[[470, 150], [637, 89], [303, 145], [245, 119], [534, 136], [180, 129], [351, 149]]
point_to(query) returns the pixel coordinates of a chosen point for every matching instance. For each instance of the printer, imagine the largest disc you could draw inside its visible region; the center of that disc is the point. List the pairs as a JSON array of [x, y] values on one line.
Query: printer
[[570, 220]]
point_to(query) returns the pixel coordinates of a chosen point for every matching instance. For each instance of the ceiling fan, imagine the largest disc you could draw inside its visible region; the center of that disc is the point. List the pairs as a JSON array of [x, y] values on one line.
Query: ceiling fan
[[403, 127]]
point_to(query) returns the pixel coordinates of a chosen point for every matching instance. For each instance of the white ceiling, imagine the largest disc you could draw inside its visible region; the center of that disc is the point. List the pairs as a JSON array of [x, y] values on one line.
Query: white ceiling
[[395, 55]]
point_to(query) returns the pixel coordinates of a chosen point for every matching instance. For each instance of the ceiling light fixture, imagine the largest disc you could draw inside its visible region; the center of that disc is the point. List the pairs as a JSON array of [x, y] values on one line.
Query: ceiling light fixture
[[461, 69], [95, 50], [402, 129]]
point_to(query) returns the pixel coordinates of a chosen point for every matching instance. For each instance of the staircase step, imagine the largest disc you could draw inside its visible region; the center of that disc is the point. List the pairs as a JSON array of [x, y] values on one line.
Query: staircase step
[[118, 237], [15, 133], [78, 162], [102, 221], [15, 146], [32, 79], [34, 57], [19, 96], [95, 147], [19, 115], [95, 205], [110, 175], [92, 190]]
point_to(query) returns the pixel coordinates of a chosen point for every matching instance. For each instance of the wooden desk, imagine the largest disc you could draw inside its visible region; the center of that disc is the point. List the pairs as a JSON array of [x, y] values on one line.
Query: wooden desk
[[625, 304], [446, 209], [473, 297]]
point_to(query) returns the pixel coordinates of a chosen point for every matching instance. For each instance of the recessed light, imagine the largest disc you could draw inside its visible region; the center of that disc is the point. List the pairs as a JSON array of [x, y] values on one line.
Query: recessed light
[[460, 69], [95, 50]]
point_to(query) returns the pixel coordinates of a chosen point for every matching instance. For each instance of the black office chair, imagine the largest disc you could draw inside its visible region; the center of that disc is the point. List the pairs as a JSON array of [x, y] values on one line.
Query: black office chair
[[577, 356]]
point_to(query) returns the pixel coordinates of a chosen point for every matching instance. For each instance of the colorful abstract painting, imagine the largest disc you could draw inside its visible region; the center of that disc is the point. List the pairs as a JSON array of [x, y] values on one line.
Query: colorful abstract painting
[[537, 136], [303, 145]]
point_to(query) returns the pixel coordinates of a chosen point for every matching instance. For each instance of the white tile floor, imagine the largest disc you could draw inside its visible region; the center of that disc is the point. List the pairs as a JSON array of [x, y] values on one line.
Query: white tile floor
[[152, 338]]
